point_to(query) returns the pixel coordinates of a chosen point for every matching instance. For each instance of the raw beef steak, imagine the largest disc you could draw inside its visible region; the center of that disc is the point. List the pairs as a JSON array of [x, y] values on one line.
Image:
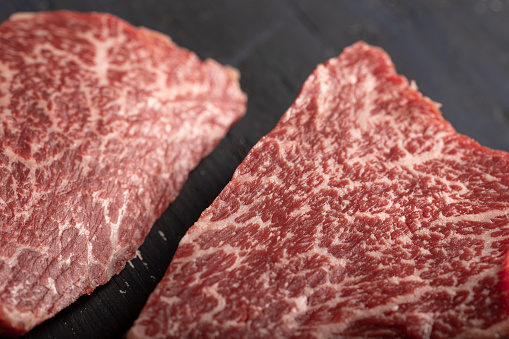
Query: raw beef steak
[[100, 123], [363, 213]]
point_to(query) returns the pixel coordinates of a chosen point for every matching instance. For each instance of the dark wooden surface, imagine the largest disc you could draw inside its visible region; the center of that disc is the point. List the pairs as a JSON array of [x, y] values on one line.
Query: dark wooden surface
[[456, 51]]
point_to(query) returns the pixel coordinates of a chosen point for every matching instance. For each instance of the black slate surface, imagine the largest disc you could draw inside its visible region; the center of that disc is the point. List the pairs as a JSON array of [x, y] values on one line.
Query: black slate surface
[[456, 51]]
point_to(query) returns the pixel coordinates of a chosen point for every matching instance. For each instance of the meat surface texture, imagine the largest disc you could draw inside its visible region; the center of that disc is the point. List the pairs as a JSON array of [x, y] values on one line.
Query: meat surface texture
[[362, 214], [100, 123]]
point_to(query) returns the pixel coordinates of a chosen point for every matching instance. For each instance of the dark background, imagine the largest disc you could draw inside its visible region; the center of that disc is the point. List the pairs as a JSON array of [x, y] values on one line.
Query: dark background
[[456, 51]]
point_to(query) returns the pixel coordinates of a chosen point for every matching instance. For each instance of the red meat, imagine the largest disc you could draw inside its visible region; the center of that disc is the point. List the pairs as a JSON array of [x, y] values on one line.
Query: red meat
[[100, 123], [362, 214]]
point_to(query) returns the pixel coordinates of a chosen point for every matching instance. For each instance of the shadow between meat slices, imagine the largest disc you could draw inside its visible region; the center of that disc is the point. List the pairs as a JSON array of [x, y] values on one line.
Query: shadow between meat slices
[[100, 124], [362, 213]]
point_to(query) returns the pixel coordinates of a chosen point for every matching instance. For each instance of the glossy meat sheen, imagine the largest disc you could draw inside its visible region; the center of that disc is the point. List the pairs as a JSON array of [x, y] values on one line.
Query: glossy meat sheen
[[363, 213], [100, 123]]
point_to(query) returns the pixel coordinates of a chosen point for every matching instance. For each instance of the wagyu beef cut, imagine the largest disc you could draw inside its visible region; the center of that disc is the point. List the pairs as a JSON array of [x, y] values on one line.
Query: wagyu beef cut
[[362, 214], [100, 123]]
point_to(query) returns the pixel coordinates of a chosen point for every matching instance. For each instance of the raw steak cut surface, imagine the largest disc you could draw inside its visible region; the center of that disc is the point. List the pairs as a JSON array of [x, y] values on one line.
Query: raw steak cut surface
[[363, 213], [100, 123]]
